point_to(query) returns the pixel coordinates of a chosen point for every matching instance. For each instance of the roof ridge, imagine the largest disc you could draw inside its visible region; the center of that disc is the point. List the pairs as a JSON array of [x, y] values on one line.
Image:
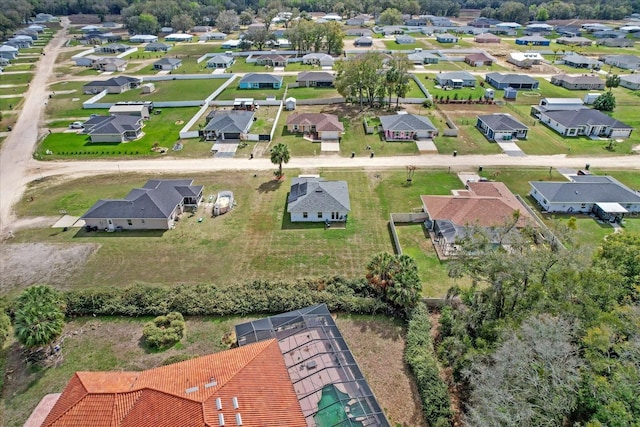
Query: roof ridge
[[268, 343]]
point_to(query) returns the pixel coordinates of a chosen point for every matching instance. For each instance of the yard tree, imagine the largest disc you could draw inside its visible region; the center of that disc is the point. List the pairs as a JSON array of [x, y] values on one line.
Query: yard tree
[[279, 155], [605, 102], [400, 65], [39, 316], [182, 22], [396, 278], [246, 17], [362, 78], [144, 23], [227, 20], [390, 16], [613, 80], [334, 38], [259, 36]]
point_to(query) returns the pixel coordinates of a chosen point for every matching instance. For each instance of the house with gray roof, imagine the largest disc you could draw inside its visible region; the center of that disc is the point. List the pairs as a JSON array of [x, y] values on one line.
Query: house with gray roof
[[631, 81], [8, 52], [212, 36], [220, 61], [155, 206], [628, 62], [260, 81], [407, 127], [404, 39], [603, 195], [501, 127], [315, 79], [109, 64], [574, 41], [314, 199], [456, 79], [227, 125], [363, 42], [21, 41], [446, 38], [516, 81], [165, 64], [616, 42], [157, 47], [578, 82], [580, 61], [422, 58], [584, 122], [143, 38], [113, 128], [321, 59], [113, 85], [112, 48], [358, 32]]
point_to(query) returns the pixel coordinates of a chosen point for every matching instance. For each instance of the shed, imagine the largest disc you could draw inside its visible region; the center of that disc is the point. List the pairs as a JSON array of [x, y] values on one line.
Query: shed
[[591, 97], [290, 104], [510, 93], [148, 88]]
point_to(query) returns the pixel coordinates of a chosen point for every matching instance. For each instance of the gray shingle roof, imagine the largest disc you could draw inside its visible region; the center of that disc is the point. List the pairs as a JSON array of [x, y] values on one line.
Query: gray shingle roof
[[157, 199], [404, 122], [168, 61], [603, 189], [229, 121], [261, 78], [318, 195], [502, 122], [114, 81], [220, 59], [632, 78], [315, 76], [575, 118], [113, 125], [511, 78], [453, 75]]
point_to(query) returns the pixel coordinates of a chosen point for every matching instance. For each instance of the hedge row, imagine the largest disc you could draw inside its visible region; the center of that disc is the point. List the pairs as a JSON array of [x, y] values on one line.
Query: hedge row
[[419, 355], [259, 296]]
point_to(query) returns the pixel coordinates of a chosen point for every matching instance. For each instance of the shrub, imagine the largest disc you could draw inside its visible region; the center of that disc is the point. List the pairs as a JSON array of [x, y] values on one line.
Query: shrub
[[164, 331], [177, 358], [419, 355]]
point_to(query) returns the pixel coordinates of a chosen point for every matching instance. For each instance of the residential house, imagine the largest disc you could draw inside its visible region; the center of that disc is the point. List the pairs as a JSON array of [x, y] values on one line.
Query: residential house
[[569, 31], [456, 79], [321, 59], [404, 39], [420, 57], [178, 37], [4, 62], [486, 38], [112, 48], [85, 60], [604, 196], [212, 36], [578, 82], [489, 205], [358, 32], [478, 59], [524, 59], [157, 47], [580, 61], [8, 52], [166, 30], [516, 81], [33, 34], [136, 109], [609, 34], [89, 28], [356, 21], [557, 104], [220, 61], [109, 64], [35, 27], [363, 42], [272, 60], [627, 62], [615, 42], [484, 22], [42, 18], [630, 82], [120, 128], [446, 38], [574, 41], [155, 206], [539, 27], [201, 29], [533, 41], [314, 199], [113, 85], [595, 27], [501, 127], [260, 81], [167, 64], [420, 21], [440, 21], [143, 38], [316, 126], [584, 122], [315, 79], [21, 42], [407, 127], [228, 125]]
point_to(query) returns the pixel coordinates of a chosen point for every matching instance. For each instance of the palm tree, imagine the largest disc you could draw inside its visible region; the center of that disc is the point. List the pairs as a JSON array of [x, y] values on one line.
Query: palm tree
[[39, 316], [279, 155], [380, 270]]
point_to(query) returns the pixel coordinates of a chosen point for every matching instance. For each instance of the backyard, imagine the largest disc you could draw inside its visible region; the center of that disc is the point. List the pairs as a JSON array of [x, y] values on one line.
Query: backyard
[[233, 91], [171, 90]]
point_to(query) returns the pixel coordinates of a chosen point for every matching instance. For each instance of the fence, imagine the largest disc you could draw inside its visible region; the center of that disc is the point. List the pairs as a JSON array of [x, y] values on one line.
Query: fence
[[368, 129], [452, 129], [324, 101], [411, 217], [541, 223]]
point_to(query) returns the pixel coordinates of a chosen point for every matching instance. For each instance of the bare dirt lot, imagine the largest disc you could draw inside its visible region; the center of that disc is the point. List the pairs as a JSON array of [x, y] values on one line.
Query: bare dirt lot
[[24, 264]]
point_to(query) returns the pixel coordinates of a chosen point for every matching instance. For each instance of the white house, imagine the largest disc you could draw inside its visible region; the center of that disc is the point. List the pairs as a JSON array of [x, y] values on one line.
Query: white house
[[584, 122]]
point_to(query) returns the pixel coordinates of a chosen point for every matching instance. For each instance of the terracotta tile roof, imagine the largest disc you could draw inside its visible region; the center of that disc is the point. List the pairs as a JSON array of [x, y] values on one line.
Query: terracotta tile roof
[[323, 122], [487, 204], [251, 381]]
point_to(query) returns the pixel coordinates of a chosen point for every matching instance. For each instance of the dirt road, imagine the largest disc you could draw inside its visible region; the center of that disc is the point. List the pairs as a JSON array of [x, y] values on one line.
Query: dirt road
[[17, 149]]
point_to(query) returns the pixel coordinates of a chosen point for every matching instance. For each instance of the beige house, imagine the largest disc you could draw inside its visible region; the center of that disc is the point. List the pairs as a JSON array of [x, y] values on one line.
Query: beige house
[[316, 126]]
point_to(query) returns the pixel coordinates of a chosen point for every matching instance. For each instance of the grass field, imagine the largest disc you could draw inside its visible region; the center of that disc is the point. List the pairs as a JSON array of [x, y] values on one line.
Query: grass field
[[93, 344], [312, 92], [11, 103], [233, 91], [16, 79], [171, 90]]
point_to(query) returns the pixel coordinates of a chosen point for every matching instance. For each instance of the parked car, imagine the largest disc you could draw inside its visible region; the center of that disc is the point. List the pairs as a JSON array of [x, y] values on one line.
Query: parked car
[[76, 125]]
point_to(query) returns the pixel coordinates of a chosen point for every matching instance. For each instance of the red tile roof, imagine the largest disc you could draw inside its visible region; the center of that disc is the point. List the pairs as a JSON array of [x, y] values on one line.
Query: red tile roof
[[322, 122], [186, 393]]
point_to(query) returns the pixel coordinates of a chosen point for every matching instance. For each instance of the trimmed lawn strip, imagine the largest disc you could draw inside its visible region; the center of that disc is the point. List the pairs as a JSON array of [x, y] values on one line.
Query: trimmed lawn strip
[[14, 90], [232, 92], [170, 90], [313, 92], [16, 79], [11, 103]]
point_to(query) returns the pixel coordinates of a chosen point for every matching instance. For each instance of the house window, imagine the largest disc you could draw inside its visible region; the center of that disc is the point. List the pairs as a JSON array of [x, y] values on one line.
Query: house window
[[129, 222], [142, 220], [305, 214], [319, 214]]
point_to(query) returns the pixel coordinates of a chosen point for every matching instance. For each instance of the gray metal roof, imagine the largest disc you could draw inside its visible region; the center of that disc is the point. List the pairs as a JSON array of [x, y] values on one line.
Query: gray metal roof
[[502, 122], [404, 122], [157, 199], [229, 121], [261, 78], [602, 189], [318, 195], [511, 78], [586, 116]]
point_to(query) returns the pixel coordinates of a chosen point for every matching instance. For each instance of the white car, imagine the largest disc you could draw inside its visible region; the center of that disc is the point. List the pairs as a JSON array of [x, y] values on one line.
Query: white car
[[76, 125]]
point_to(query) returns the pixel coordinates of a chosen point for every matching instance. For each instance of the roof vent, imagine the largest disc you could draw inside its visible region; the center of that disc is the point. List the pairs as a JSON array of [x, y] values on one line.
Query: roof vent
[[218, 404], [238, 419], [191, 390], [235, 402], [221, 419], [212, 383]]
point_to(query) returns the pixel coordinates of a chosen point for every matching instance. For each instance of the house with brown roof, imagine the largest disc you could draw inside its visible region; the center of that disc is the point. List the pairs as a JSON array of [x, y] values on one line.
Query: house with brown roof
[[578, 82], [490, 205], [478, 59], [486, 38], [316, 126], [248, 386], [272, 60]]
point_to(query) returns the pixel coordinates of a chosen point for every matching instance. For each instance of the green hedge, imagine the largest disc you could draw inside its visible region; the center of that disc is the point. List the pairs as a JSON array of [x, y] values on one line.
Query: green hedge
[[420, 357], [260, 296]]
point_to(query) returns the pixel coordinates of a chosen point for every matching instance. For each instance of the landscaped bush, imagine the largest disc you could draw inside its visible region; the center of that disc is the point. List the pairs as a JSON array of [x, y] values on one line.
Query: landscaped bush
[[260, 296], [419, 354], [164, 331]]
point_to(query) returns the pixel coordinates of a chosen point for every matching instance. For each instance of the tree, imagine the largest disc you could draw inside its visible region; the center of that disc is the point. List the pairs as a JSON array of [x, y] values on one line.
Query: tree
[[279, 155], [334, 38], [258, 36], [613, 80], [144, 23], [362, 78], [605, 102], [39, 316], [395, 278], [227, 20], [542, 14], [246, 17], [391, 16], [182, 22]]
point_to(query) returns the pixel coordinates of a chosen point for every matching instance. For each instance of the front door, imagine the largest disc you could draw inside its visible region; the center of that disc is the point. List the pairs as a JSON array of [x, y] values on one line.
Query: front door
[[110, 224]]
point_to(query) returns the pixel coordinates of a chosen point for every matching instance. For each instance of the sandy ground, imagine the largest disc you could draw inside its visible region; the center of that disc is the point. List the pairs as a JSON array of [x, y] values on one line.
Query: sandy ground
[[25, 264]]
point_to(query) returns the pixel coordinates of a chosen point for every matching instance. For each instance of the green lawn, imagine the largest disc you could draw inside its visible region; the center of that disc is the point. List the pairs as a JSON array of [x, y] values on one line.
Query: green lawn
[[232, 92], [10, 103], [20, 67], [171, 90], [16, 79], [414, 90], [463, 93], [8, 119], [194, 50], [14, 90], [392, 45], [312, 92]]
